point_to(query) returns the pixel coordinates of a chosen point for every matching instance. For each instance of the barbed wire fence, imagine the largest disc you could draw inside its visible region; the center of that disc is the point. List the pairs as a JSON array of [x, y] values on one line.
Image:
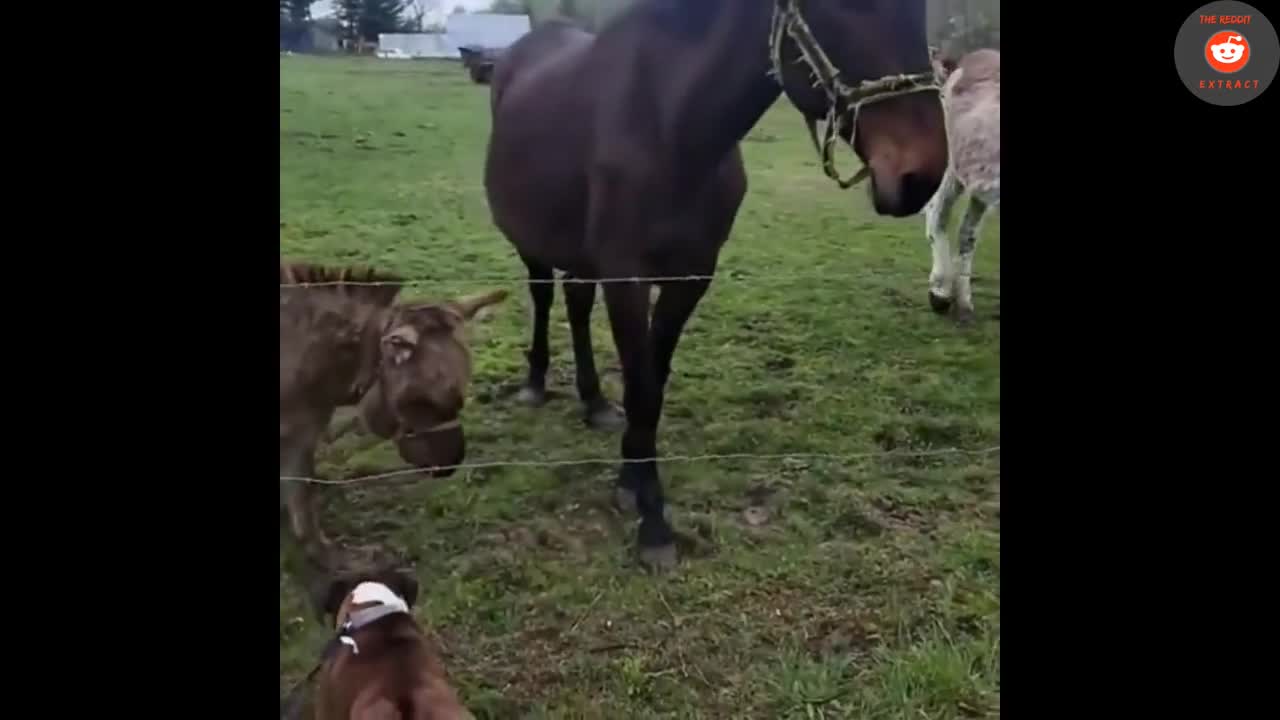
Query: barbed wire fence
[[776, 457], [720, 277]]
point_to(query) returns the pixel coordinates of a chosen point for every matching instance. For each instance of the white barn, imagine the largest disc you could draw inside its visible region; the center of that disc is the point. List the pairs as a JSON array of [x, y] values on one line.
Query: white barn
[[488, 30]]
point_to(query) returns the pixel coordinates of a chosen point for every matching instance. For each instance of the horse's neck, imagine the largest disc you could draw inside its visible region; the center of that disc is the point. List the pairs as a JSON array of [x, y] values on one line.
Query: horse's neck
[[726, 92]]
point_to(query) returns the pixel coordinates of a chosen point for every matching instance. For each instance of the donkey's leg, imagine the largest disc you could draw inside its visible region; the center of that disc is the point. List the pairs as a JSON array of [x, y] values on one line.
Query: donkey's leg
[[579, 298], [937, 217], [967, 240], [297, 459], [638, 481], [542, 291]]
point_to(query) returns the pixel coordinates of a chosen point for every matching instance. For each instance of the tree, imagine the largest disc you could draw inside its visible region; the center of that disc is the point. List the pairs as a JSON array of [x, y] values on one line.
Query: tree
[[295, 19], [417, 12], [299, 11], [381, 16], [348, 13], [364, 19]]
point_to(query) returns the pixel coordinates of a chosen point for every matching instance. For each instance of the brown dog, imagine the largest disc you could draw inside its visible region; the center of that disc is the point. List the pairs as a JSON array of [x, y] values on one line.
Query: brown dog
[[382, 666]]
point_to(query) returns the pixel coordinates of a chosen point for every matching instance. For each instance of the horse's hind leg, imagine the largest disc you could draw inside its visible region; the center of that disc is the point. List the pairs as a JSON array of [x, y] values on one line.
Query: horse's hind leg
[[937, 217], [542, 290], [579, 299], [968, 242]]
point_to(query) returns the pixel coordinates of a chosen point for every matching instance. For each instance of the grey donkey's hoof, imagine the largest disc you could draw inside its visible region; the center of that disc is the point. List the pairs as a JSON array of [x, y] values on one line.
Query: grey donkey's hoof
[[604, 415], [939, 304], [964, 315], [531, 396]]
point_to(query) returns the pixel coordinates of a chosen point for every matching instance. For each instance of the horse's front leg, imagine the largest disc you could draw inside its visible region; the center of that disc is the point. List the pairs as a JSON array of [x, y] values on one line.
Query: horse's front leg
[[675, 306], [639, 483], [617, 234], [937, 217]]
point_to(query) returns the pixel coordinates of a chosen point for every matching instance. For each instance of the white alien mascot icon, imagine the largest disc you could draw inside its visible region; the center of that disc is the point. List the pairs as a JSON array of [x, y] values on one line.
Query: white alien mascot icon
[[1227, 51]]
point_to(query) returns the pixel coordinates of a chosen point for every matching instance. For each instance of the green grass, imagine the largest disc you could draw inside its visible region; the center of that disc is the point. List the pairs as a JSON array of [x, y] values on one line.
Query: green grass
[[871, 589]]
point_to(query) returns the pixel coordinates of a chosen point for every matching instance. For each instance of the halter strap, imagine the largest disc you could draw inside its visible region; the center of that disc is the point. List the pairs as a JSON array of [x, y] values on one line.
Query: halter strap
[[843, 100], [439, 427]]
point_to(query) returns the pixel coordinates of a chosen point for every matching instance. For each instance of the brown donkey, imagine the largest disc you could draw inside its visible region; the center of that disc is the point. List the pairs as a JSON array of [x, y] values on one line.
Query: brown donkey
[[344, 341]]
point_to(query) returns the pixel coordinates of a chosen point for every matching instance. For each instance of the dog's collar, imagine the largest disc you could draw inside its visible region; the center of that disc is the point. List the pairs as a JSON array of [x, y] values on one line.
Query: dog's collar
[[357, 620], [292, 704]]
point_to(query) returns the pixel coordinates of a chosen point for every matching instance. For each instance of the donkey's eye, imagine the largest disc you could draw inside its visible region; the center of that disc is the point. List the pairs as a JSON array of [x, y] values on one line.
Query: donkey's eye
[[399, 350]]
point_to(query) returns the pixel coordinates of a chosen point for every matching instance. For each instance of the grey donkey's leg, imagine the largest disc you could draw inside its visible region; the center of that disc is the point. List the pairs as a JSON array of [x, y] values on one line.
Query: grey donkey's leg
[[967, 240], [937, 217]]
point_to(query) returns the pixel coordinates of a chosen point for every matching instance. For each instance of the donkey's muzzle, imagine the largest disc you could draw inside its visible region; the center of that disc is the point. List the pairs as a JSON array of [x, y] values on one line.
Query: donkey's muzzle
[[437, 451]]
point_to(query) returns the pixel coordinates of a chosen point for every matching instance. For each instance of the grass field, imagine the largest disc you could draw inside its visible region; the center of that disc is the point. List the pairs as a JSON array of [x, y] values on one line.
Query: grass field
[[865, 588]]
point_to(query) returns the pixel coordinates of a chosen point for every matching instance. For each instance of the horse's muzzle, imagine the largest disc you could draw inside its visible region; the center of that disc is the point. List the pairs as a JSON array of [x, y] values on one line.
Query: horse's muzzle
[[903, 195]]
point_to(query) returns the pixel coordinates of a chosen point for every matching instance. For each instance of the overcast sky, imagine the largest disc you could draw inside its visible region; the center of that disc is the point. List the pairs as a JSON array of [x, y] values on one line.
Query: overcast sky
[[324, 8]]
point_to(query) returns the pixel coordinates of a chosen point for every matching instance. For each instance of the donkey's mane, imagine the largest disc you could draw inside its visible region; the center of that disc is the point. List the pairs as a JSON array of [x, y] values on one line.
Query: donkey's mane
[[350, 281]]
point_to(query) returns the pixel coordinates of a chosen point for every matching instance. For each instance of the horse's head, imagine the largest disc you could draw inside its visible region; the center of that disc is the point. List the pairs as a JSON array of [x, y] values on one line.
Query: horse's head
[[872, 55], [420, 384]]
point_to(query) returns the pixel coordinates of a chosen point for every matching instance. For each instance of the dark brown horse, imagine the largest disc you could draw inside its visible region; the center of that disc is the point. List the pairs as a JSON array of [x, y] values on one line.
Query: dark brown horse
[[617, 156]]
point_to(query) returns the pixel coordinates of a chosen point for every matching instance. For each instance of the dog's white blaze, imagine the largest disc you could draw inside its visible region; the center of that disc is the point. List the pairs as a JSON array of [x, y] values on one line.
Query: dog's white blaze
[[367, 592]]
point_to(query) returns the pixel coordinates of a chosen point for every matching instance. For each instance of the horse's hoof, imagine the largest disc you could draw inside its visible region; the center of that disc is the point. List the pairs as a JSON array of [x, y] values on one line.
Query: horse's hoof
[[604, 415], [624, 500], [939, 304], [659, 559], [531, 396]]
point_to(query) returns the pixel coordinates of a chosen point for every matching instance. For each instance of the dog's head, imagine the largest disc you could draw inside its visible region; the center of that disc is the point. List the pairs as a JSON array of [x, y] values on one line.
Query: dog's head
[[344, 595]]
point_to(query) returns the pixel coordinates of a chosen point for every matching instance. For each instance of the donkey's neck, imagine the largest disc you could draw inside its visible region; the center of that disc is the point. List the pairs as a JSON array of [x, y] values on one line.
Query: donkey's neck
[[341, 335], [370, 326]]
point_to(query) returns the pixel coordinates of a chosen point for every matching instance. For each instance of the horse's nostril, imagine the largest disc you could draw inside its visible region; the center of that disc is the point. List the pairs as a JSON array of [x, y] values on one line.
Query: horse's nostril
[[915, 190]]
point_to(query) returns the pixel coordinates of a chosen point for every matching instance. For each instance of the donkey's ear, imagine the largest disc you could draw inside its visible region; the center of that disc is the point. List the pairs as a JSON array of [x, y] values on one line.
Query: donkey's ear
[[468, 306]]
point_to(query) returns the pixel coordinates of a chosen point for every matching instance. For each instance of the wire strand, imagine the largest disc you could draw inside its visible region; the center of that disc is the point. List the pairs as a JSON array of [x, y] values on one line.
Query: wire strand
[[665, 459], [499, 279]]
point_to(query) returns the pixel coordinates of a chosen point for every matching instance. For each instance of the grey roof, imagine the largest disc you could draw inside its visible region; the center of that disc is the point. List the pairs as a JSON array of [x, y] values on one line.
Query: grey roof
[[489, 30]]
